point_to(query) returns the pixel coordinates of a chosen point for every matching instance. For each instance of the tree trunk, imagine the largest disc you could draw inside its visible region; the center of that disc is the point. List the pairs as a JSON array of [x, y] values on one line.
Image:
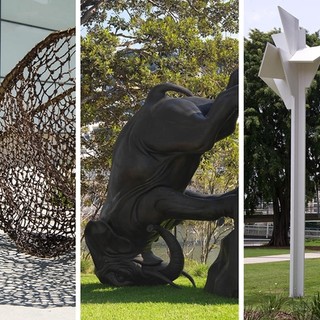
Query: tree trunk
[[281, 220]]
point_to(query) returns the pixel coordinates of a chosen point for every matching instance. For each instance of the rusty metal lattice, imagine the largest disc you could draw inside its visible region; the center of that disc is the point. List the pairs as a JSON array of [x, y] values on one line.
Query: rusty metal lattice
[[37, 148]]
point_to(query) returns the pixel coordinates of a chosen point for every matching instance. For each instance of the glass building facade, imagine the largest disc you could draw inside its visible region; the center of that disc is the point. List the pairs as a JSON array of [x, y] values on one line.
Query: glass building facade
[[25, 23]]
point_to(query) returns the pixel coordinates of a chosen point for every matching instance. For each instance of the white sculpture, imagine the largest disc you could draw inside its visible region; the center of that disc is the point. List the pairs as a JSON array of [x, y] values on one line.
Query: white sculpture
[[288, 70]]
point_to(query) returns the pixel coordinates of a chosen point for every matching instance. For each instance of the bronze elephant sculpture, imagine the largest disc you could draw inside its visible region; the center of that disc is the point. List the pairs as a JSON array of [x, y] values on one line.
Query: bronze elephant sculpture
[[154, 159]]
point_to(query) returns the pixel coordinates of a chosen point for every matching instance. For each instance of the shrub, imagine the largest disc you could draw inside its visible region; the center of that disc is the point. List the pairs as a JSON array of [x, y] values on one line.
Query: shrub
[[196, 269], [277, 307], [87, 265], [274, 305], [315, 307]]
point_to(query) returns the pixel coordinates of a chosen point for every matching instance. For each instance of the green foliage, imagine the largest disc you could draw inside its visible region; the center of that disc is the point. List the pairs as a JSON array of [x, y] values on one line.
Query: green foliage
[[196, 269], [301, 310], [313, 128], [315, 307], [211, 16], [128, 47], [280, 307], [265, 299], [156, 302], [267, 130], [218, 170], [313, 242], [100, 301], [87, 266], [270, 251], [264, 251], [273, 305], [264, 281]]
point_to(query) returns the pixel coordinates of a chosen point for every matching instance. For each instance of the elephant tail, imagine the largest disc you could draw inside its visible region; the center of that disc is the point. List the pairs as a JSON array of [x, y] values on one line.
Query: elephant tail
[[159, 92]]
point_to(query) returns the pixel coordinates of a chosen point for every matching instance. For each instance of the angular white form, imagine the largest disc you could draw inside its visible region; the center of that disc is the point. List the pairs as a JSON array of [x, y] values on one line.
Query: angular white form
[[288, 69]]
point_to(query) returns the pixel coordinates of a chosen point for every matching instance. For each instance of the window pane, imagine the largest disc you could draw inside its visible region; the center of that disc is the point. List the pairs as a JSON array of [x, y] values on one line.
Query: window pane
[[56, 15], [16, 42]]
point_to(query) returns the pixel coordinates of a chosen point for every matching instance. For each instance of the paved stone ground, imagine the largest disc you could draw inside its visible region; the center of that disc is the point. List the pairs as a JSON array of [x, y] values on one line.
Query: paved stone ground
[[35, 283]]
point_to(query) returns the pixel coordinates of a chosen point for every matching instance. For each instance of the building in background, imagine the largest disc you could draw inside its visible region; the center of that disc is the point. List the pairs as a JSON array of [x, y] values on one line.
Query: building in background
[[25, 23]]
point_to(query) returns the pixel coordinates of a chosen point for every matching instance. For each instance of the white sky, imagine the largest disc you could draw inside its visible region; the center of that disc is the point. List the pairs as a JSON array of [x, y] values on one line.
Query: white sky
[[263, 14]]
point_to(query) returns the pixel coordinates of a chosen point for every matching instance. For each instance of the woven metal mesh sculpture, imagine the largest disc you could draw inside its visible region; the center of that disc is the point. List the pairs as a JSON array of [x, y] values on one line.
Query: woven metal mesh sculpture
[[37, 148]]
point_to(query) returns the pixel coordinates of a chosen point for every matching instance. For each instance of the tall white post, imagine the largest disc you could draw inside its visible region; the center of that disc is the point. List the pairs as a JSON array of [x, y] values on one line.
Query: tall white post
[[297, 219], [288, 70]]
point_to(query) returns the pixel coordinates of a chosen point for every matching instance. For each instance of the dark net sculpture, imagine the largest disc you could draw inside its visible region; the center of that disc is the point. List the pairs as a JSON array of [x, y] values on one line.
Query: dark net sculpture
[[37, 148]]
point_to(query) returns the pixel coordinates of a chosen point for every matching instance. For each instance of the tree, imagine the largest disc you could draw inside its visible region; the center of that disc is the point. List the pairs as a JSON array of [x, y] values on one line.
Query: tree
[[217, 173], [89, 9], [313, 129], [212, 16], [267, 141], [129, 46], [218, 170]]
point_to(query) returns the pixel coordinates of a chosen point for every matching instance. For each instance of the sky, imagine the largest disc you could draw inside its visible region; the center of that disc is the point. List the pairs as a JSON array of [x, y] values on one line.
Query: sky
[[264, 15]]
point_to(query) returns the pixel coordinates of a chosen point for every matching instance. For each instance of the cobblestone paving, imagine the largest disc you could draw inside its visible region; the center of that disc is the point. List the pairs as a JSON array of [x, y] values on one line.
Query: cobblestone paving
[[30, 281]]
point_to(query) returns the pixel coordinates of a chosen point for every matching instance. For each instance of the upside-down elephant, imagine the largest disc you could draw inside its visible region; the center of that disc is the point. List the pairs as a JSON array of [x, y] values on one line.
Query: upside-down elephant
[[154, 159]]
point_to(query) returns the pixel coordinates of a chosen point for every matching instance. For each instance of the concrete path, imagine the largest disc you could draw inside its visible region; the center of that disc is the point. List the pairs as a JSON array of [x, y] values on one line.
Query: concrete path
[[35, 288], [31, 313], [277, 258]]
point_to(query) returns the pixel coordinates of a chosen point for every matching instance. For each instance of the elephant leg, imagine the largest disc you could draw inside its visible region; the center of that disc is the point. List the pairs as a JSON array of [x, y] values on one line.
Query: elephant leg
[[223, 274], [202, 196], [166, 204]]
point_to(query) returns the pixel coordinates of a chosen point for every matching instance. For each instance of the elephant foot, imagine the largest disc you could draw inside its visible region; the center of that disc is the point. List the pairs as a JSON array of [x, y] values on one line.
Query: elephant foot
[[225, 284], [223, 273]]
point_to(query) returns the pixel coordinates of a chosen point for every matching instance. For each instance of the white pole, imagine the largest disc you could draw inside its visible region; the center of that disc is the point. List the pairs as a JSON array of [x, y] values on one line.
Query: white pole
[[297, 225], [288, 69]]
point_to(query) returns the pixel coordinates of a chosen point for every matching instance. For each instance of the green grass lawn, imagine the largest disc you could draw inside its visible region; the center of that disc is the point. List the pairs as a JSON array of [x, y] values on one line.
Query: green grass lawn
[[313, 242], [264, 281], [263, 251], [266, 286], [158, 302], [269, 251]]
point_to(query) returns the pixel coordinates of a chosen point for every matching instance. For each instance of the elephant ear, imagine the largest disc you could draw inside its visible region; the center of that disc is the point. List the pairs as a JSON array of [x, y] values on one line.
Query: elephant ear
[[103, 242]]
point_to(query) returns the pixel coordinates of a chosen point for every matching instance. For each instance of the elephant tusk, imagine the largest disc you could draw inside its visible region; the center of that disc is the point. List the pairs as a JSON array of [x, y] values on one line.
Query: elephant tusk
[[176, 263], [161, 277], [187, 275]]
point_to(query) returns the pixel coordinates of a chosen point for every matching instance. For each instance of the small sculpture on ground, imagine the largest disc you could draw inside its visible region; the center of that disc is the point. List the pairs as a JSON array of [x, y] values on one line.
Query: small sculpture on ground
[[154, 159]]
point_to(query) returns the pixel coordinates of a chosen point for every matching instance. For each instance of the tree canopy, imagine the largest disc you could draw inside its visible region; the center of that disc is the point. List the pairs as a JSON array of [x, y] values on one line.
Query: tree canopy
[[127, 47], [267, 139]]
